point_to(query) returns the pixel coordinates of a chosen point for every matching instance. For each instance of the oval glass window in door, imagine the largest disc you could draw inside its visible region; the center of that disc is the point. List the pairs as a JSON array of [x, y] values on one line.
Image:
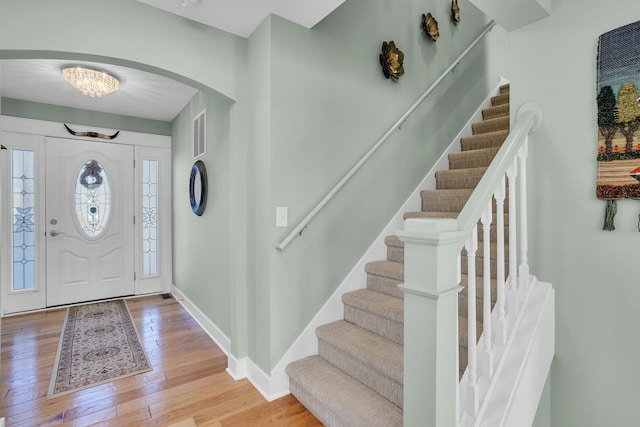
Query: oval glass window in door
[[93, 199]]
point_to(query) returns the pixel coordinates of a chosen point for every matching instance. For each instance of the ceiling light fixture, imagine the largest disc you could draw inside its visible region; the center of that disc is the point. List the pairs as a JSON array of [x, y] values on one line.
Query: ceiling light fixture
[[90, 82]]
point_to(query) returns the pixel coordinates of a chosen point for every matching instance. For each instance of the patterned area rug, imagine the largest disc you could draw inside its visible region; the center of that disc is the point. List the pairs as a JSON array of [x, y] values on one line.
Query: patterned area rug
[[99, 343]]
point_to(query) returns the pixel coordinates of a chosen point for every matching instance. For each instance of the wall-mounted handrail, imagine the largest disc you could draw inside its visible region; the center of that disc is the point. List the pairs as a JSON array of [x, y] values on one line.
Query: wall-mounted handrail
[[325, 200]]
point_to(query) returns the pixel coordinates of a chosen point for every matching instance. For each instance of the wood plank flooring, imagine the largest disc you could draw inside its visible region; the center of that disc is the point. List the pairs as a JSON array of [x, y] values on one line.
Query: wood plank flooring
[[187, 387]]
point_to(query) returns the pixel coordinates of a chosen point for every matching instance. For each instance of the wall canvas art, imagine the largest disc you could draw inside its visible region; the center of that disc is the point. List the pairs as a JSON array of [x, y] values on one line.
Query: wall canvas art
[[618, 80]]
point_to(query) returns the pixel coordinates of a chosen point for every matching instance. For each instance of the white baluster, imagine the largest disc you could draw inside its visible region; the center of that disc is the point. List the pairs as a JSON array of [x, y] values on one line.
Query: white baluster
[[512, 300], [473, 391], [457, 379], [486, 362], [501, 326], [523, 270]]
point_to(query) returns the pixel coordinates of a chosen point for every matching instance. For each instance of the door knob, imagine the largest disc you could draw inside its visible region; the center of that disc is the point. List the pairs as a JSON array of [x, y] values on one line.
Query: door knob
[[54, 233]]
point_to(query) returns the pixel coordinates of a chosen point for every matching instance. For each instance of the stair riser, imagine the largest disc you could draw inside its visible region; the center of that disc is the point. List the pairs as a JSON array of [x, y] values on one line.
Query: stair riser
[[494, 125], [472, 159], [433, 203], [384, 285], [487, 140], [395, 253], [494, 112], [377, 381], [500, 99], [455, 183], [393, 331], [309, 400]]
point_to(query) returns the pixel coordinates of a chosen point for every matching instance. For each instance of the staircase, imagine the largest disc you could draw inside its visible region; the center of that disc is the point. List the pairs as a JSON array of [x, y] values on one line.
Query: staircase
[[357, 377]]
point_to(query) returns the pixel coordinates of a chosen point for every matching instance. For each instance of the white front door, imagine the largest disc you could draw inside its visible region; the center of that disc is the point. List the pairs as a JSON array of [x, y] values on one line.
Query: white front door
[[89, 221]]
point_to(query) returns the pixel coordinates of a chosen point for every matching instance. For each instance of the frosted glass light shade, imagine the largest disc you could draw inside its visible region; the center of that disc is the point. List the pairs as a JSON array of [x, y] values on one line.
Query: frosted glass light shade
[[90, 82]]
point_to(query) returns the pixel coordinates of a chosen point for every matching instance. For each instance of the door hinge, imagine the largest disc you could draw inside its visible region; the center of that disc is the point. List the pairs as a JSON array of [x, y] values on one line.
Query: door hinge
[[134, 163], [134, 275], [134, 220]]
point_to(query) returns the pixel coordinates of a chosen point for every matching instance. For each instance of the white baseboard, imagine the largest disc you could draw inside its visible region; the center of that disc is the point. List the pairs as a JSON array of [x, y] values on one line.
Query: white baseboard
[[209, 327]]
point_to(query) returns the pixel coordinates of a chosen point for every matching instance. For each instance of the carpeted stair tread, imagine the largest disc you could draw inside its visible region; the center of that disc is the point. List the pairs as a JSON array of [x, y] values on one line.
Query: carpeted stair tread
[[495, 111], [491, 125], [472, 158], [379, 313], [337, 399], [500, 99], [367, 357], [382, 305], [445, 200], [483, 140], [429, 214], [451, 179], [504, 89], [385, 268]]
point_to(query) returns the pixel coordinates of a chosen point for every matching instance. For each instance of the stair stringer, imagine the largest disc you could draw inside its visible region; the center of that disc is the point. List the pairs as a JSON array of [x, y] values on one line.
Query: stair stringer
[[277, 384]]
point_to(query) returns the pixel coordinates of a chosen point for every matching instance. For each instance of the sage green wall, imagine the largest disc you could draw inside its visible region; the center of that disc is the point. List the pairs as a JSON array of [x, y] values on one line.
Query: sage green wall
[[329, 104], [56, 113], [201, 261], [259, 126], [123, 32], [594, 376]]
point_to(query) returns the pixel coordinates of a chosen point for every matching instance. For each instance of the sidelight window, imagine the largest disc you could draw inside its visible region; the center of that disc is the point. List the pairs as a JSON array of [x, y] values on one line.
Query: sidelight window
[[23, 209]]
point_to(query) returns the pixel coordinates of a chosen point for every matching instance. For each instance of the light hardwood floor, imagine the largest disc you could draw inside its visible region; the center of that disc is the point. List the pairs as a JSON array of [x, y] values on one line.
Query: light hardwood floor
[[187, 387]]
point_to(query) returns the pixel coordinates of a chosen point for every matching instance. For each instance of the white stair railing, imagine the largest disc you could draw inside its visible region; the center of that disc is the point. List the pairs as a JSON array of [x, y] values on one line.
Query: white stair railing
[[432, 246]]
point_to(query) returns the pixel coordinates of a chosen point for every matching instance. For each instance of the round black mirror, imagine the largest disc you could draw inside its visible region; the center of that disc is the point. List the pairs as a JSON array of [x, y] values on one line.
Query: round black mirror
[[198, 188]]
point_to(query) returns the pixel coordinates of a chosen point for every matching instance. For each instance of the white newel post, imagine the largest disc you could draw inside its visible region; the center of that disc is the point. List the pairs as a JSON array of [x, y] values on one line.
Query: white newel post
[[430, 326]]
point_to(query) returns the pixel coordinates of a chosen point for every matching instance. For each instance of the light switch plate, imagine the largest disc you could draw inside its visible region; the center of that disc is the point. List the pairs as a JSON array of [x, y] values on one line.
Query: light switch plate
[[282, 216]]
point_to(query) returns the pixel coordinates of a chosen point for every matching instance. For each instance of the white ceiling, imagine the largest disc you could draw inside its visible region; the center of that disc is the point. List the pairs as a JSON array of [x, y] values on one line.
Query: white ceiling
[[241, 17], [141, 94], [144, 94]]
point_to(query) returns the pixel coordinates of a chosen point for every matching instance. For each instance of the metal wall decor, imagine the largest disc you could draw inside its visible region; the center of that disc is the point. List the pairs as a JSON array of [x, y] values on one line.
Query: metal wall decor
[[198, 188], [430, 27], [455, 12], [391, 60]]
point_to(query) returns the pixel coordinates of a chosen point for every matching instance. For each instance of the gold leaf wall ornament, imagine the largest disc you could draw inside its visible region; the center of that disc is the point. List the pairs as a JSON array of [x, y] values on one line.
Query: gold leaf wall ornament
[[391, 59], [430, 26], [455, 12]]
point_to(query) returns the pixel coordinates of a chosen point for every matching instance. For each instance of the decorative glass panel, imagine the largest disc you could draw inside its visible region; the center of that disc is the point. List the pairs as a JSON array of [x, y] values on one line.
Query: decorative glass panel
[[93, 199], [23, 210], [149, 217]]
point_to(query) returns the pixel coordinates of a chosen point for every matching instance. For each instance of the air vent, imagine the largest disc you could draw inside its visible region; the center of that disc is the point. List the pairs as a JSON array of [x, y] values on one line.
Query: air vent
[[200, 134]]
